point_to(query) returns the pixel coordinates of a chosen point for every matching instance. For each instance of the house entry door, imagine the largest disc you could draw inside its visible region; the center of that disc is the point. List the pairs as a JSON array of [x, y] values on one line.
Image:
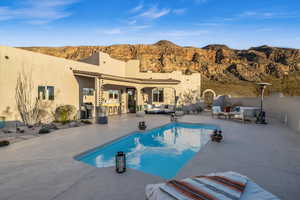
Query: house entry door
[[131, 93]]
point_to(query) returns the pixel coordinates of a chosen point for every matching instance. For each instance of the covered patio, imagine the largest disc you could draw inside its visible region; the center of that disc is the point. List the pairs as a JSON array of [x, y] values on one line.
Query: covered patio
[[121, 95]]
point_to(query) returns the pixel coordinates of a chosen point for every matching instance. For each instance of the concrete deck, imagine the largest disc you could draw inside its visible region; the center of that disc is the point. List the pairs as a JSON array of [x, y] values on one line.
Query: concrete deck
[[44, 168]]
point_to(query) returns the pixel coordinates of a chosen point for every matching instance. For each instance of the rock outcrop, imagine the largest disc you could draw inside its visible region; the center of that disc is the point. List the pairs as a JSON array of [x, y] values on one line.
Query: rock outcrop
[[217, 63]]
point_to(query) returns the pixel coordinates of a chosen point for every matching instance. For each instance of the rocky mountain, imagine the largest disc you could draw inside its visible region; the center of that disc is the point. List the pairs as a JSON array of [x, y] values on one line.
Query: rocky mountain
[[220, 65]]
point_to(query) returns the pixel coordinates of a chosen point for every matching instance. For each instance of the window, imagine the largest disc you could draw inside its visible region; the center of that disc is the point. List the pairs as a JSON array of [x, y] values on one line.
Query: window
[[158, 95], [88, 91], [46, 92], [50, 90], [113, 94], [42, 92]]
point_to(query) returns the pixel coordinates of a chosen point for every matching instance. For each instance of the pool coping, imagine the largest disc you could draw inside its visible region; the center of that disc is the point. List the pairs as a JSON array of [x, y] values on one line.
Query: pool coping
[[76, 157]]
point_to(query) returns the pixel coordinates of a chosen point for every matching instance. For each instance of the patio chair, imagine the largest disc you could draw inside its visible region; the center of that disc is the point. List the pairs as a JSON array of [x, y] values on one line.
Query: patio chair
[[216, 110], [246, 114]]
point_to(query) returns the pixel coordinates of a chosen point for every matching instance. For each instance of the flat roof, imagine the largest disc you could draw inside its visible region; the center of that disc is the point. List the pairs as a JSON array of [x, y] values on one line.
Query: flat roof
[[126, 79]]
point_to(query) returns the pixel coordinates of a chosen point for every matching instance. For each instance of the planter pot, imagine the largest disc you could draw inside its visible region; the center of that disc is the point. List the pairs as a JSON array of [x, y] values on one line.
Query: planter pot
[[102, 120], [140, 114], [2, 122], [142, 126]]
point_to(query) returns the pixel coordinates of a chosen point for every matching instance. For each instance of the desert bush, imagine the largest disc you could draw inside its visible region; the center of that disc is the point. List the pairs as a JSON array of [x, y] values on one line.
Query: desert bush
[[4, 143], [50, 126], [65, 113], [44, 131], [28, 107], [86, 122], [199, 109]]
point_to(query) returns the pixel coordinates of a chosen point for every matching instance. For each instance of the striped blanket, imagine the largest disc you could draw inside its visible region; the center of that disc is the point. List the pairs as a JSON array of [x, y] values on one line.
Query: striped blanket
[[206, 188]]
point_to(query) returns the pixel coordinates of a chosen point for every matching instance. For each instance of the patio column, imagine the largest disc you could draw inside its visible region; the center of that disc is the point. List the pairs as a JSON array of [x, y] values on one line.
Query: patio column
[[96, 95], [124, 102], [139, 97], [99, 82]]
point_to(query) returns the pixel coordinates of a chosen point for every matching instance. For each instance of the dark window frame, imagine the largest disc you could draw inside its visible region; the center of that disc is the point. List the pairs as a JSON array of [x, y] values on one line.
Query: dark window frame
[[88, 91], [46, 93], [113, 94], [158, 95]]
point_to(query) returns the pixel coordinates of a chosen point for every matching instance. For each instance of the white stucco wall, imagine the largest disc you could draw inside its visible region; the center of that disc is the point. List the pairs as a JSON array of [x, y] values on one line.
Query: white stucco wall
[[188, 83], [286, 109], [48, 70], [45, 71]]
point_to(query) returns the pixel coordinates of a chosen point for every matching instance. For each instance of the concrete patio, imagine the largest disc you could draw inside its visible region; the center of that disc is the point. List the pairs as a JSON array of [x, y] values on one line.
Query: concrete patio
[[44, 168]]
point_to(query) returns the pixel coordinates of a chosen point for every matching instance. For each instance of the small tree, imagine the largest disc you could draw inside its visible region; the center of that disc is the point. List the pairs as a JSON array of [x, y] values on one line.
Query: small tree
[[65, 113], [28, 106]]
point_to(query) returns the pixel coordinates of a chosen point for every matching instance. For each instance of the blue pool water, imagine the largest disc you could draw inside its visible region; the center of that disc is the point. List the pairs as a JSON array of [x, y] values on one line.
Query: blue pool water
[[161, 151]]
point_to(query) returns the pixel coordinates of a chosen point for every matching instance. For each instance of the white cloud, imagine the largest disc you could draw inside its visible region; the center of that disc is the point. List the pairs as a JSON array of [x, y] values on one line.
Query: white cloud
[[131, 22], [137, 8], [155, 13], [179, 11], [266, 15], [139, 27], [37, 11]]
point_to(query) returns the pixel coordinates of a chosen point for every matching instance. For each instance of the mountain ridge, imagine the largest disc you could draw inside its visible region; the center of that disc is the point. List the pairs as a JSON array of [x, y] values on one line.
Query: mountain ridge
[[218, 63]]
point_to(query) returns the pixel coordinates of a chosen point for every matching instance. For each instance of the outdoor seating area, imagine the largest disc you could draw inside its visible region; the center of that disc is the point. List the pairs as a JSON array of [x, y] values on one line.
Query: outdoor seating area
[[159, 109], [223, 107], [240, 112], [44, 172], [78, 180]]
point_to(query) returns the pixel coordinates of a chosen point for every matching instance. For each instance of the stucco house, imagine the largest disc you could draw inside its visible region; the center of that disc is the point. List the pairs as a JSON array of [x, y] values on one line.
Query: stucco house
[[95, 81]]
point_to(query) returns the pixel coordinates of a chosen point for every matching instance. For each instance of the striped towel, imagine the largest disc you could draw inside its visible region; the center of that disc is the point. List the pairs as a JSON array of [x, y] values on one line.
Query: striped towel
[[212, 187]]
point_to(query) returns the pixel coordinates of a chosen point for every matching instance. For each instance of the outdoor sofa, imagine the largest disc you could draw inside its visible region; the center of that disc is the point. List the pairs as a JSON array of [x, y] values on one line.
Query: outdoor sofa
[[159, 109]]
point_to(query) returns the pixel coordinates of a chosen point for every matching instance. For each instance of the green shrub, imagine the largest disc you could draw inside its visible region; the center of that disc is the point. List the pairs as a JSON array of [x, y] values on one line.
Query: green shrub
[[66, 122], [4, 143], [44, 131], [65, 113], [199, 109]]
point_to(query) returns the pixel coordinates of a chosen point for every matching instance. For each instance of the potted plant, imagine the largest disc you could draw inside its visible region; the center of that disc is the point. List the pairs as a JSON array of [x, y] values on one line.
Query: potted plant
[[140, 111], [101, 117], [2, 122]]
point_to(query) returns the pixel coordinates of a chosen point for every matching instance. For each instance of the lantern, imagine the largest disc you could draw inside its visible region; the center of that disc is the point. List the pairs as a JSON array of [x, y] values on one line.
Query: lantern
[[217, 136], [120, 162], [172, 117], [142, 125]]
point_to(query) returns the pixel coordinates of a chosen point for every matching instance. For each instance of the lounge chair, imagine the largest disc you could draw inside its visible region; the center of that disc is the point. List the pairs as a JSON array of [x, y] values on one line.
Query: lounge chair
[[246, 113], [216, 110], [228, 185]]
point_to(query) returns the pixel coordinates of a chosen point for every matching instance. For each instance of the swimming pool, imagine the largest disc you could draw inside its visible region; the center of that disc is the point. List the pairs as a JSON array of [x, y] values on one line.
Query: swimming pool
[[161, 151]]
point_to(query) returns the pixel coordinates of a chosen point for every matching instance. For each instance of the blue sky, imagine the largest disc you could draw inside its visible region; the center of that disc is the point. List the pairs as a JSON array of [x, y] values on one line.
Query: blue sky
[[236, 23]]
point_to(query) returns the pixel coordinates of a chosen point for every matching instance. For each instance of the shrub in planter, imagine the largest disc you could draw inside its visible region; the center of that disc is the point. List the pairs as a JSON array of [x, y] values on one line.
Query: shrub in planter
[[65, 113], [4, 143], [44, 131], [199, 109], [50, 126], [86, 122]]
